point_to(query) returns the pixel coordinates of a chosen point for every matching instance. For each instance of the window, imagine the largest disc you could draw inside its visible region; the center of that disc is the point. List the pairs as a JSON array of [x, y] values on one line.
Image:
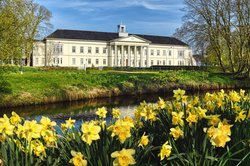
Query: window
[[81, 49], [73, 61], [158, 52], [36, 61], [104, 50], [104, 62], [180, 63], [158, 62], [73, 49], [145, 63], [180, 53], [96, 61], [169, 53], [58, 49], [169, 62], [97, 50], [152, 52], [163, 62], [54, 60], [81, 61], [61, 60], [89, 61], [164, 52], [43, 61], [58, 60], [152, 62], [89, 50]]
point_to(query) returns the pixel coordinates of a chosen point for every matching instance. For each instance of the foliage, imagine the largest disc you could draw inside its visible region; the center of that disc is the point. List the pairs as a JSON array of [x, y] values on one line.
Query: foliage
[[21, 23], [213, 130], [219, 29]]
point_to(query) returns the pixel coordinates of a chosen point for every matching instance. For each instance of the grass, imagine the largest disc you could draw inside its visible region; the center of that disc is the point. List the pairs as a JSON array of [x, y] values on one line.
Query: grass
[[36, 85]]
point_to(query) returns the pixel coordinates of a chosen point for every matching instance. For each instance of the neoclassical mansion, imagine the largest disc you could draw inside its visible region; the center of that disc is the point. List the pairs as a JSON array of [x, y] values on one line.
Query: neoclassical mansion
[[82, 49]]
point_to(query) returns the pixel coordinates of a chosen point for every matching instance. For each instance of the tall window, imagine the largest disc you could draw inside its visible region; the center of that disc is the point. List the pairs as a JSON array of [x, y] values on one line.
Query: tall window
[[104, 51], [97, 50], [169, 53], [104, 62], [158, 52], [81, 61], [81, 49], [97, 61], [152, 62], [73, 49], [163, 62], [73, 61], [180, 53], [89, 61], [89, 50], [152, 52], [58, 49], [164, 52], [158, 62], [145, 63]]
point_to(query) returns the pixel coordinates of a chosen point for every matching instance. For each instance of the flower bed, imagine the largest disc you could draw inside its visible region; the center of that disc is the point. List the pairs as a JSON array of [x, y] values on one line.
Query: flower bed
[[213, 130]]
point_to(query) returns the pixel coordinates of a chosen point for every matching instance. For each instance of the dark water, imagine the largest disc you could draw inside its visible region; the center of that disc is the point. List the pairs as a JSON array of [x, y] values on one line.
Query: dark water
[[85, 110]]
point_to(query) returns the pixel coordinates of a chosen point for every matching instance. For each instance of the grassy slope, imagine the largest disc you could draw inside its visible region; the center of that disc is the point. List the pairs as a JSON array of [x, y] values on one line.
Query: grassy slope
[[36, 86]]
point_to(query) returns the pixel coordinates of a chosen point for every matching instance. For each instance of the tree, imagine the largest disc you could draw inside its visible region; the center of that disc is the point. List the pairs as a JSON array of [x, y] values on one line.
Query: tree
[[221, 28], [21, 22]]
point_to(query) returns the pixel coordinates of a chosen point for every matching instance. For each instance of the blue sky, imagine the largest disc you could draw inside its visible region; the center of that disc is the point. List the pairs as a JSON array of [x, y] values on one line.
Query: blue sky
[[156, 17]]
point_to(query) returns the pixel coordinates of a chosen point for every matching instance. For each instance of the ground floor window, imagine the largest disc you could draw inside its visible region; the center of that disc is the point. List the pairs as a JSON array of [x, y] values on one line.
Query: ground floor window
[[152, 62], [180, 63], [89, 61], [104, 62], [81, 61], [73, 61], [97, 61]]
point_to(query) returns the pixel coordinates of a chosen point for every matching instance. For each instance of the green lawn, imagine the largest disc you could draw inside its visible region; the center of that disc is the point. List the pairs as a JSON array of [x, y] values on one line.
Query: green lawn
[[36, 84]]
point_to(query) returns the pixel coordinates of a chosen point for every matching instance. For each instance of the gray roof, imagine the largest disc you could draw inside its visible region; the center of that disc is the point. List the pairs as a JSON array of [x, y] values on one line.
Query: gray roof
[[107, 36]]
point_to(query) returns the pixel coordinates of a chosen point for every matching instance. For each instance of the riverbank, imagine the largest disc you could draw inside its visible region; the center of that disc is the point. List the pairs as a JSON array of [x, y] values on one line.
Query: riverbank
[[39, 86]]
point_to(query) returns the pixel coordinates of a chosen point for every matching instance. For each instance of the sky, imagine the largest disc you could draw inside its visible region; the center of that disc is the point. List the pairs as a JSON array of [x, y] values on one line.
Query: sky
[[152, 17]]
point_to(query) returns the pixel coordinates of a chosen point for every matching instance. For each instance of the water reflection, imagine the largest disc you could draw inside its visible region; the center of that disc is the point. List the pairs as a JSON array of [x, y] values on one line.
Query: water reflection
[[84, 110]]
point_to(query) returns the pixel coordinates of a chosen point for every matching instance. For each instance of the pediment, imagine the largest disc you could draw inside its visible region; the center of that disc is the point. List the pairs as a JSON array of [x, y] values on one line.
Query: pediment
[[132, 38]]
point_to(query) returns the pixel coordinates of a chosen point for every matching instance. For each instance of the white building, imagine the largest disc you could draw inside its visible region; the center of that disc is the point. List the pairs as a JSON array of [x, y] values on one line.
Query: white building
[[73, 48]]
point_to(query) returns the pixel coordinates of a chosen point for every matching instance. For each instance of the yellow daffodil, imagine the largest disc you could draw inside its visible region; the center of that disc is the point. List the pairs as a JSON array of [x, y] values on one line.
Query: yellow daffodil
[[192, 118], [116, 113], [201, 112], [123, 157], [15, 118], [234, 96], [165, 151], [241, 116], [47, 123], [161, 103], [6, 128], [78, 159], [144, 140], [101, 112], [29, 130], [213, 120], [178, 94], [68, 124], [121, 129], [90, 132], [177, 118], [38, 148], [176, 132]]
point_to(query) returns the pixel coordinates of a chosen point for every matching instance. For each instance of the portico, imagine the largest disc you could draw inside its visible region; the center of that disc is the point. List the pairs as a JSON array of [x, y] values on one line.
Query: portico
[[129, 51]]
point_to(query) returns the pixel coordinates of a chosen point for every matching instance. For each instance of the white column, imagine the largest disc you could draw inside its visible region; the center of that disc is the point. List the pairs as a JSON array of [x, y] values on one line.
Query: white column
[[122, 56], [147, 57], [129, 56], [135, 57], [141, 56], [115, 56]]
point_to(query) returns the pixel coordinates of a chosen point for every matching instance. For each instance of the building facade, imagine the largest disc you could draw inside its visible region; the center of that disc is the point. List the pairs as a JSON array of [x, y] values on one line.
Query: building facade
[[82, 49]]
